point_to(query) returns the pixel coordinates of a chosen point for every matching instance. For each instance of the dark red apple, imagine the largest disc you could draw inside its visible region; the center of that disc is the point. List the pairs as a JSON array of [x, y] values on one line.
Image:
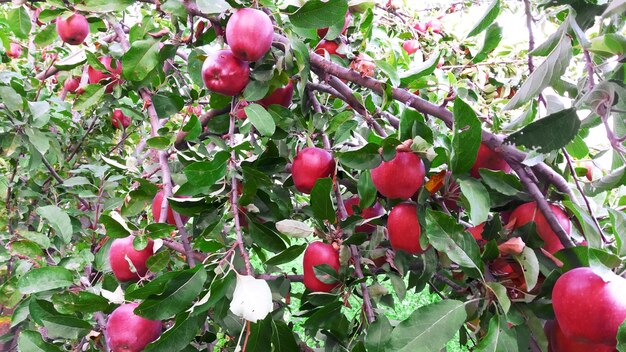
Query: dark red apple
[[488, 159], [280, 96], [15, 51], [400, 177], [558, 342], [404, 228], [249, 34], [225, 74], [588, 308], [318, 253], [119, 120], [530, 212], [321, 32], [411, 46], [374, 211], [156, 210], [96, 76], [121, 248], [309, 165], [74, 29], [128, 332], [71, 84], [327, 46]]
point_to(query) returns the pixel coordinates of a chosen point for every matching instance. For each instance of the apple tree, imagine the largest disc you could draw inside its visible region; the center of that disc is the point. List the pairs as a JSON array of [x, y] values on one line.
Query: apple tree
[[258, 175]]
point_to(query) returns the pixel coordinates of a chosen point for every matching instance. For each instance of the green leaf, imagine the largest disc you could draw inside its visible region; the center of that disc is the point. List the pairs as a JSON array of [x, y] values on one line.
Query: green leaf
[[203, 173], [424, 69], [364, 158], [19, 22], [621, 338], [67, 327], [540, 134], [592, 235], [38, 139], [466, 139], [92, 95], [321, 200], [366, 189], [390, 71], [319, 14], [545, 48], [161, 143], [11, 99], [500, 292], [378, 334], [261, 119], [499, 337], [287, 255], [210, 7], [115, 225], [294, 228], [75, 59], [282, 337], [325, 273], [260, 339], [140, 59], [44, 279], [578, 148], [59, 221], [256, 90], [46, 36], [429, 327], [490, 15], [530, 266], [477, 199], [266, 237], [31, 341], [618, 220], [501, 182], [492, 39], [104, 5], [179, 335], [608, 182], [615, 7], [158, 262], [167, 105]]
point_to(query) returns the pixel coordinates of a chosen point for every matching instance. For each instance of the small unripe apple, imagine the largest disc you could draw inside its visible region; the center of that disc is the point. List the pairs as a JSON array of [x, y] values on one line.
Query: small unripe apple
[[321, 32], [588, 308], [15, 51], [156, 210], [225, 74], [122, 248], [280, 96], [374, 211], [327, 46], [71, 84], [119, 120], [128, 332], [74, 29], [249, 34], [96, 76], [309, 165], [488, 159], [411, 46], [558, 342], [530, 212], [400, 177], [318, 253], [404, 228]]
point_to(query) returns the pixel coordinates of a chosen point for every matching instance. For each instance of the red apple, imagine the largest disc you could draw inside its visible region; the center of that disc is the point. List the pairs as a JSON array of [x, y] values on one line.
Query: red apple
[[122, 248], [225, 74], [318, 253], [530, 212], [119, 120], [588, 308], [477, 231], [156, 210], [421, 27], [374, 211], [488, 159], [400, 177], [71, 84], [128, 332], [558, 342], [327, 46], [280, 96], [15, 51], [309, 165], [411, 46], [321, 32], [96, 76], [74, 29], [589, 174], [404, 228], [240, 113], [434, 25], [249, 34]]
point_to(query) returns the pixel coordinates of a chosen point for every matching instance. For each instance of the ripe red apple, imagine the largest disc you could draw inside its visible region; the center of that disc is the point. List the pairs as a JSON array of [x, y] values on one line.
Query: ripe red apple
[[404, 228], [411, 46], [225, 74], [128, 332], [74, 29], [321, 32], [122, 248], [327, 46], [15, 51], [421, 27], [587, 308], [71, 84], [400, 177], [280, 96], [530, 212], [477, 231], [96, 76], [156, 210], [240, 113], [309, 165], [374, 211], [434, 25], [318, 253], [558, 342], [488, 159], [249, 34], [119, 120]]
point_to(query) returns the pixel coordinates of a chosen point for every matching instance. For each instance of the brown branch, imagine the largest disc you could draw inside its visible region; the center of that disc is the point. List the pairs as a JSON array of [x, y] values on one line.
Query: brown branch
[[180, 249], [367, 303]]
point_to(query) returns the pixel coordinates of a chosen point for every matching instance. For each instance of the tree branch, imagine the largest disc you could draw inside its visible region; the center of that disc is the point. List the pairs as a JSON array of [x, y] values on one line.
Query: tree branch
[[181, 144]]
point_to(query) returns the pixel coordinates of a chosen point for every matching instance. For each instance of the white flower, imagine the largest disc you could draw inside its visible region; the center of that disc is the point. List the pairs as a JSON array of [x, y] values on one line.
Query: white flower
[[252, 299]]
